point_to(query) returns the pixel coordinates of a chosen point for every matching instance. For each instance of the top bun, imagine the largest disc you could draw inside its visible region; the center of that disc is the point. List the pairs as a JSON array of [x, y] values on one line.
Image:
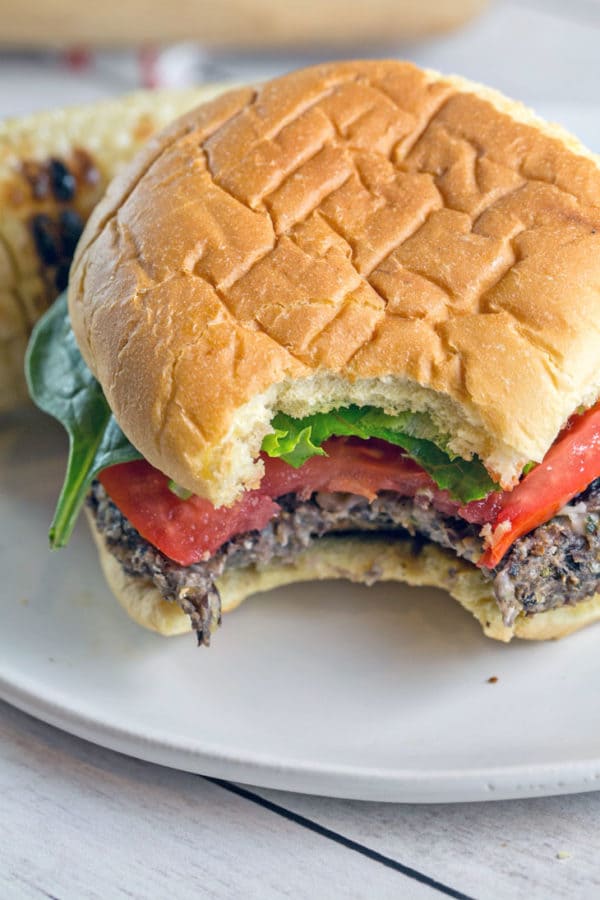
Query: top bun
[[362, 232]]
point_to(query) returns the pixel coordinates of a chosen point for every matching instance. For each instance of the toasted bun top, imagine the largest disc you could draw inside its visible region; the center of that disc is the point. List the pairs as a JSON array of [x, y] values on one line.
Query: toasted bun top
[[360, 232]]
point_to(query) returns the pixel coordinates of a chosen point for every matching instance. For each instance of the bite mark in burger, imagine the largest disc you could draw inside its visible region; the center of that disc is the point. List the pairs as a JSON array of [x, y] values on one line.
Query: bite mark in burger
[[343, 324]]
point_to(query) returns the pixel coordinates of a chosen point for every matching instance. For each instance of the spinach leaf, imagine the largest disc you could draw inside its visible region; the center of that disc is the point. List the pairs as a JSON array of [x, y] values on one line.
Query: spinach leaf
[[61, 385]]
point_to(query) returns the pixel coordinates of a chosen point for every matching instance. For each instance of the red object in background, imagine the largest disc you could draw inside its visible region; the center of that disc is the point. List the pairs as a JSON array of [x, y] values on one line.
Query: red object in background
[[78, 58], [148, 62]]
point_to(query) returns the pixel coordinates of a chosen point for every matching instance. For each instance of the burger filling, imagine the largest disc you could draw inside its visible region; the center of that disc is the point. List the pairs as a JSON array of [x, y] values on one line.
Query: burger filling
[[357, 486], [557, 563], [339, 472]]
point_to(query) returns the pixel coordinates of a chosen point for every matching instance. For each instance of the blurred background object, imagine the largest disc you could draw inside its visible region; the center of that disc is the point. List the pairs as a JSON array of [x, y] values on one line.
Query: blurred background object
[[227, 23], [54, 167], [542, 51]]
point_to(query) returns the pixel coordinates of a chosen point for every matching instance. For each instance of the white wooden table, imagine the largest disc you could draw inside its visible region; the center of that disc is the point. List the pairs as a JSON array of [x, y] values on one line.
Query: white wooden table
[[78, 821]]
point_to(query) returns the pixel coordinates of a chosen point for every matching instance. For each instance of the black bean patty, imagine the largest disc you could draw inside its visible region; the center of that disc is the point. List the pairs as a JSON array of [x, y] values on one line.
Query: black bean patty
[[558, 563]]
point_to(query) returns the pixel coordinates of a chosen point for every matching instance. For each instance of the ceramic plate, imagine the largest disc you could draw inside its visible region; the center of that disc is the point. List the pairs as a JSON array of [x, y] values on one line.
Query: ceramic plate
[[326, 688]]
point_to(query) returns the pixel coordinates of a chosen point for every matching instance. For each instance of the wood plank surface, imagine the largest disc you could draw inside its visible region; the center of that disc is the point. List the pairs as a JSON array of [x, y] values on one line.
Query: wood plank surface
[[78, 821], [529, 849]]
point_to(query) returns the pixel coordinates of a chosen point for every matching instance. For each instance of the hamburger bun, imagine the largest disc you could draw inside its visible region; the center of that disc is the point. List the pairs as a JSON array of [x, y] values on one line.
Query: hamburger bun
[[354, 233]]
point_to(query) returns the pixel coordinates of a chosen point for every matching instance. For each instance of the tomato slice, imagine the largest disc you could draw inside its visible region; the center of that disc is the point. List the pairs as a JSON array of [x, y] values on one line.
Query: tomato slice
[[352, 465], [570, 465], [184, 530], [188, 531]]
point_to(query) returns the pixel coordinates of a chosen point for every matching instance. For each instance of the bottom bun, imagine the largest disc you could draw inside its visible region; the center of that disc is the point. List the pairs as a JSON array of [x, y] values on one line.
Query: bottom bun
[[366, 560]]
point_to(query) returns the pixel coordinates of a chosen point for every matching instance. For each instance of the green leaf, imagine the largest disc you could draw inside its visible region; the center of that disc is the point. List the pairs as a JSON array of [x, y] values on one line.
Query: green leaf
[[296, 440], [61, 385], [294, 446]]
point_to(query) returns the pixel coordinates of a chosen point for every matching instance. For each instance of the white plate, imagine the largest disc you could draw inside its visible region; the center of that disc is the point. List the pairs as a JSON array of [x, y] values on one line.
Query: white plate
[[377, 693]]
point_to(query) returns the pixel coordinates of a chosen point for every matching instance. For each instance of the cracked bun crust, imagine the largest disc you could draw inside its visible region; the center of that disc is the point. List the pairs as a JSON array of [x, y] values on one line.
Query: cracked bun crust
[[361, 232]]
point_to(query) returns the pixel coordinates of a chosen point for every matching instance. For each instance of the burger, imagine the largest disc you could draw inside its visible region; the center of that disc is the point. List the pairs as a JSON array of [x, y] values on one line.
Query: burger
[[345, 324]]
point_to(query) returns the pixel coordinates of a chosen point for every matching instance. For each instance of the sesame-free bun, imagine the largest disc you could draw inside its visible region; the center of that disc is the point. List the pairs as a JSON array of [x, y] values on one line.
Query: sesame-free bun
[[360, 232], [366, 559]]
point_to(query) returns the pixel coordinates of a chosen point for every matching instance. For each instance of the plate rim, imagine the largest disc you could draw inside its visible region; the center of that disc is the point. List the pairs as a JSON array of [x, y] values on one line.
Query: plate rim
[[349, 782]]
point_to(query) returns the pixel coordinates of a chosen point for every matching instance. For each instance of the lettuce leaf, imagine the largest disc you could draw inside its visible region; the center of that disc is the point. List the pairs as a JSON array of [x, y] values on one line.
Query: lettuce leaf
[[296, 440], [293, 445]]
